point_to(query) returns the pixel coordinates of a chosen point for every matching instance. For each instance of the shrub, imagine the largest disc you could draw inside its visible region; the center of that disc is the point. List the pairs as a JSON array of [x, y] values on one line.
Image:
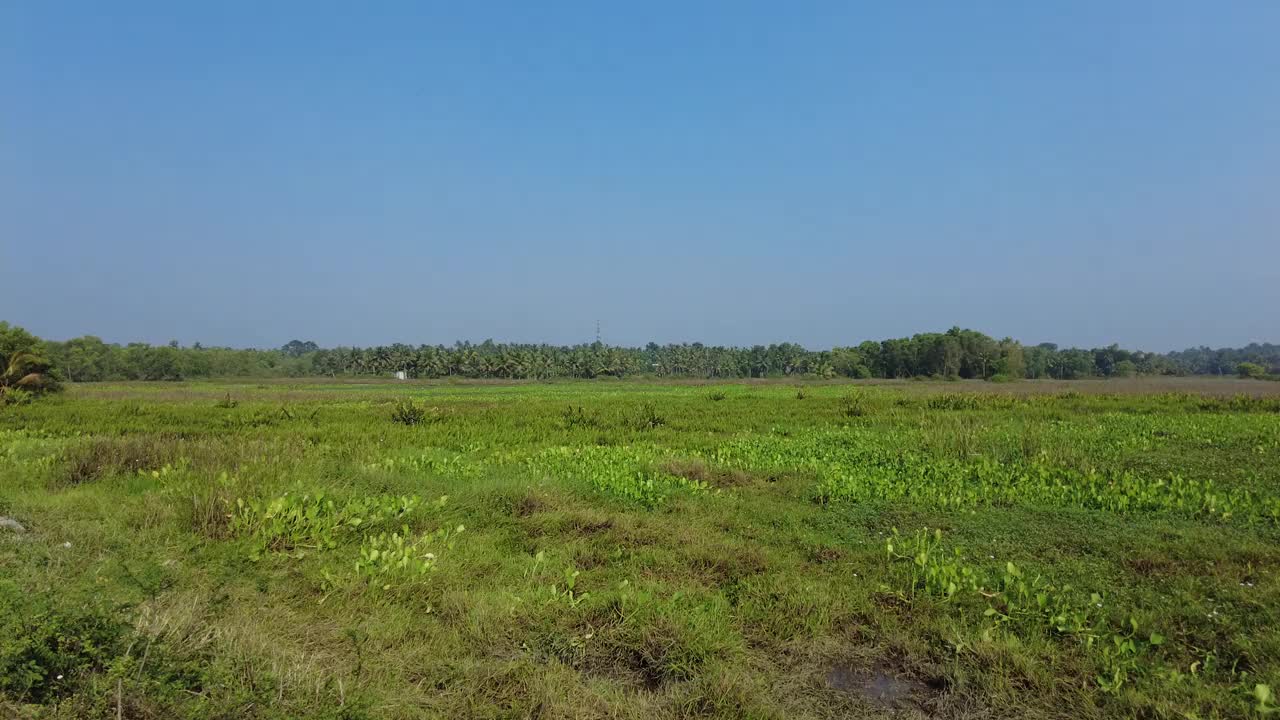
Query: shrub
[[647, 417], [45, 649], [15, 396], [854, 405], [408, 412], [1250, 370], [577, 416]]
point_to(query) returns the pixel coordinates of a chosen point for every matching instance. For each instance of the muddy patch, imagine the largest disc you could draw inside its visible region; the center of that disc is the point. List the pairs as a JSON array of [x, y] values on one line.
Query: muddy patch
[[879, 686], [825, 555], [528, 504]]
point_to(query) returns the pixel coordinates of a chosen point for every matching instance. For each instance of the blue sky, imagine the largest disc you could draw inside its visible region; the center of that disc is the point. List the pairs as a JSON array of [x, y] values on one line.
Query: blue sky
[[245, 173]]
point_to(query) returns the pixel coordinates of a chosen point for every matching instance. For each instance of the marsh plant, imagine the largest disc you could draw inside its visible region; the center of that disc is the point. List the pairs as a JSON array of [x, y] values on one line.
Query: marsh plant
[[400, 558], [314, 521], [1015, 602]]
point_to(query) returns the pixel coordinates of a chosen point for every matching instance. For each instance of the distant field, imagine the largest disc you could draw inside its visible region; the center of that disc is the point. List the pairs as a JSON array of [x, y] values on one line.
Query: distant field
[[632, 549]]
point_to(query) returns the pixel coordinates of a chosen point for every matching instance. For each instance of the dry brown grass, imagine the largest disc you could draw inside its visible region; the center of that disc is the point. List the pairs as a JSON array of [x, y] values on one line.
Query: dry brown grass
[[1198, 385], [310, 391], [103, 456], [698, 471]]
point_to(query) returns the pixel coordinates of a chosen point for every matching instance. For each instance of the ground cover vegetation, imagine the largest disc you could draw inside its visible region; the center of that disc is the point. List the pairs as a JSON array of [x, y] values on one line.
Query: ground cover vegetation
[[582, 549]]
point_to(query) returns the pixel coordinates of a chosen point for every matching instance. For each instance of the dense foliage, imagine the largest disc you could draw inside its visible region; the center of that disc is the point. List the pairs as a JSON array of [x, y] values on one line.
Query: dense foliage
[[25, 370], [957, 353]]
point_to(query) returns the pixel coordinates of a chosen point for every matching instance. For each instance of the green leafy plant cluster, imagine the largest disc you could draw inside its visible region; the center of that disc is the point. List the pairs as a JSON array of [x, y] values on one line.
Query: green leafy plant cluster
[[315, 521], [855, 466], [47, 648], [567, 591], [389, 559], [408, 412], [882, 475], [1016, 602], [431, 463], [619, 471]]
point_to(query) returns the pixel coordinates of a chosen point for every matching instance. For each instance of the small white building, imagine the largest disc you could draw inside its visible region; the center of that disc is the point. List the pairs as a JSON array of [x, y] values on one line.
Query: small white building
[[401, 375]]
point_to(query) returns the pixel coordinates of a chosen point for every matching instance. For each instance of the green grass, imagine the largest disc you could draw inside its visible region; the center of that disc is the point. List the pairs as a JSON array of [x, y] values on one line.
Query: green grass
[[620, 549]]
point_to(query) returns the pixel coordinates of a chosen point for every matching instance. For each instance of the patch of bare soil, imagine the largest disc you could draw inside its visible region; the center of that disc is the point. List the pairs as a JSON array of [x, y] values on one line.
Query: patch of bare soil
[[882, 688]]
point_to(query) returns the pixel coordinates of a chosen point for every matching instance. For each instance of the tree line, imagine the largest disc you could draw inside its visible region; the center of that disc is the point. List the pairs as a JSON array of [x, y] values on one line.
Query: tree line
[[956, 353]]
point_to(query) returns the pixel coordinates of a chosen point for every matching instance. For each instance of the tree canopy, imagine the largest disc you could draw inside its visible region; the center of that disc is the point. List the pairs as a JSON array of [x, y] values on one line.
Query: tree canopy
[[956, 353], [25, 368]]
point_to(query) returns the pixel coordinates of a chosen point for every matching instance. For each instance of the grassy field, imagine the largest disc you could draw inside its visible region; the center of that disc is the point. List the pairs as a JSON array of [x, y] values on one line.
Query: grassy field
[[638, 550]]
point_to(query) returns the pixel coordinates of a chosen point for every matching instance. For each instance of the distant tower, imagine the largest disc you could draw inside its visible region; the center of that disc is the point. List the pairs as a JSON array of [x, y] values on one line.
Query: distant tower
[[597, 332]]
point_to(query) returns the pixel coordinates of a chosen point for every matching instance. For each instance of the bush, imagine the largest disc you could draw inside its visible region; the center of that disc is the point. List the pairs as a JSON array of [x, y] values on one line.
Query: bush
[[577, 416], [1000, 378], [647, 417], [46, 650], [1249, 370], [407, 412], [854, 405], [15, 396]]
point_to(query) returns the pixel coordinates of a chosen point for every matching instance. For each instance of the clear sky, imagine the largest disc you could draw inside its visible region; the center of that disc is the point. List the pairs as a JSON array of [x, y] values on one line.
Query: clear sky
[[245, 173]]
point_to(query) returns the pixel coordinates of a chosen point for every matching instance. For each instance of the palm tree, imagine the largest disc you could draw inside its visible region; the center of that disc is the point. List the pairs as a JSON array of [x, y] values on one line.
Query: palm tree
[[27, 371]]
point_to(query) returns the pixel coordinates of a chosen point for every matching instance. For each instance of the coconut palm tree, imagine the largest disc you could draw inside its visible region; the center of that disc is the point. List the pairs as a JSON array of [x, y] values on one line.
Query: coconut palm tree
[[27, 371]]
